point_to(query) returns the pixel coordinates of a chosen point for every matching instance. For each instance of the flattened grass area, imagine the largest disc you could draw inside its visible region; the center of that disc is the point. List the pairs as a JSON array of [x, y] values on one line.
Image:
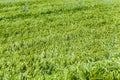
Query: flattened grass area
[[59, 40]]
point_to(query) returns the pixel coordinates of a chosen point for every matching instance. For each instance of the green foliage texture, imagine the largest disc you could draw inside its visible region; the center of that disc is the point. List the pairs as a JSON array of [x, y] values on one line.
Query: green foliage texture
[[59, 39]]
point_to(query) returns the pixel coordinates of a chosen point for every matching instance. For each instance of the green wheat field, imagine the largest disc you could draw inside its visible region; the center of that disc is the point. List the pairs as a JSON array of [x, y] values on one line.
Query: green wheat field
[[59, 39]]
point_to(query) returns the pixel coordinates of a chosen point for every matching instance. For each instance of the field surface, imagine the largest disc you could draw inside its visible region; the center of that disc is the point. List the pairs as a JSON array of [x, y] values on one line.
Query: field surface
[[59, 39]]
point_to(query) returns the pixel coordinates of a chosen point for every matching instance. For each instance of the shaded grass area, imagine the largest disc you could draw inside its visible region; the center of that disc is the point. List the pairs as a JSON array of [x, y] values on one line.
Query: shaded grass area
[[68, 40]]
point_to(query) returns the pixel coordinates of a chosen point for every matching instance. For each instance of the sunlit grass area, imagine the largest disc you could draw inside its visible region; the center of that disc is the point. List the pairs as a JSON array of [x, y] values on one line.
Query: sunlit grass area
[[59, 40]]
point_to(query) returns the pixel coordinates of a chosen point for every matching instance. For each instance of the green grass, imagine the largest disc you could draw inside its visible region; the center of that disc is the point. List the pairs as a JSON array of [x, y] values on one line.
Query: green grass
[[59, 40]]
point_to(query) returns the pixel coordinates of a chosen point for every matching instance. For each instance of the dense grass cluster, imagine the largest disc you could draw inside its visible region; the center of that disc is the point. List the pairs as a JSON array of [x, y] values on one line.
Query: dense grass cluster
[[59, 40]]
